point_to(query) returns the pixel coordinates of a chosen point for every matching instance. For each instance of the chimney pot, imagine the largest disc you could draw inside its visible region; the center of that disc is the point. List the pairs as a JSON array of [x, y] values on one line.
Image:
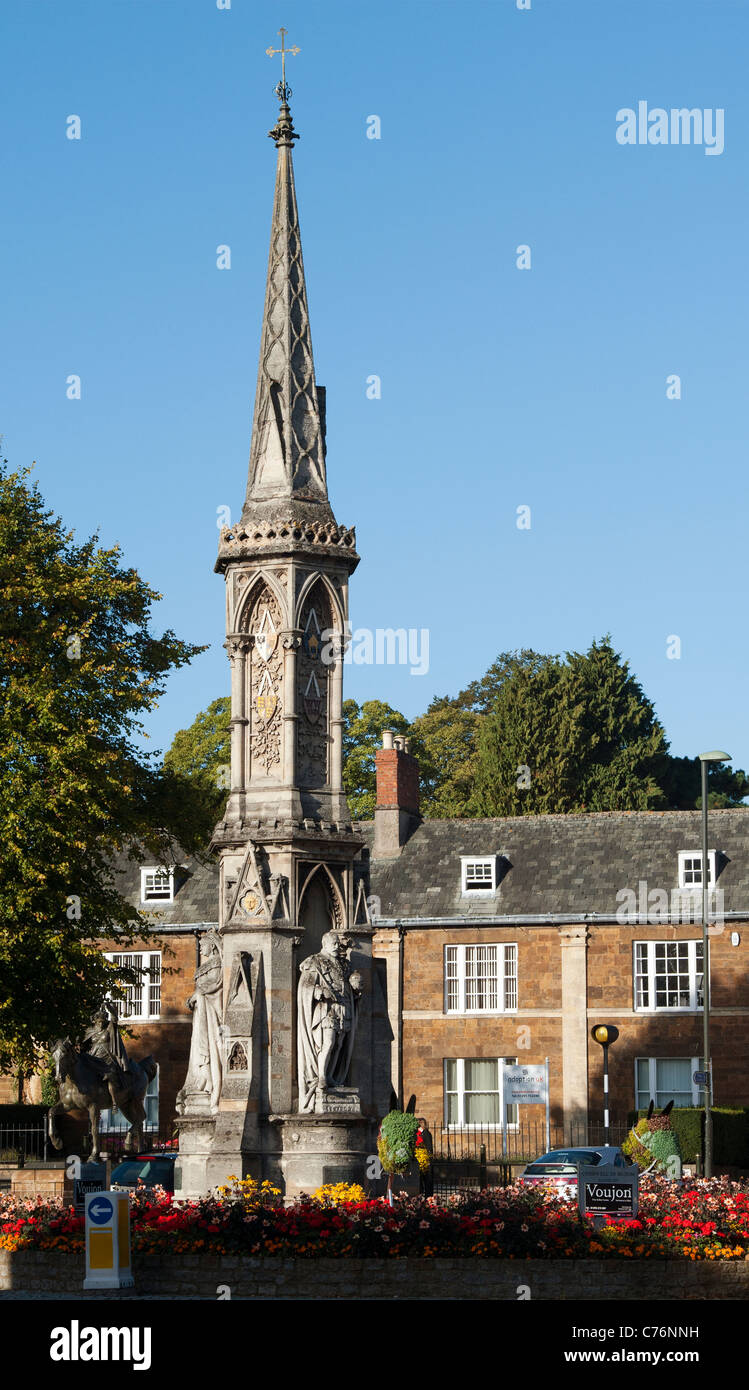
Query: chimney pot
[[387, 738]]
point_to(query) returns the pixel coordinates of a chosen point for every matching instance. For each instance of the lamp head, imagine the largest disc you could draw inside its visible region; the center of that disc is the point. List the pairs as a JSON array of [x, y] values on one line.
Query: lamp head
[[715, 756], [605, 1033]]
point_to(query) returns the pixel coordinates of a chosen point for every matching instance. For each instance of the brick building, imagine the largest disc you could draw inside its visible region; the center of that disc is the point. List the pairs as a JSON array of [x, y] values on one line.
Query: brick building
[[509, 939], [512, 938]]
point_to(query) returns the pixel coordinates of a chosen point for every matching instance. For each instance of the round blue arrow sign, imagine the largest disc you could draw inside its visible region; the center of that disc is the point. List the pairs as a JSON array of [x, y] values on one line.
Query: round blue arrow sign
[[100, 1210]]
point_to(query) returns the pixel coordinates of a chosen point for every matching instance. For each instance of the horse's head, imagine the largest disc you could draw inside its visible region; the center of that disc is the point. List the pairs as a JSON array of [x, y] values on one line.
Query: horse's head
[[63, 1055]]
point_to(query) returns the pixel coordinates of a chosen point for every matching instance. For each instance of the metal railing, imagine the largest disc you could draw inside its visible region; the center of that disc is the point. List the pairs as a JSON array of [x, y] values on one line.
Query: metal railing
[[162, 1140], [470, 1158], [20, 1144]]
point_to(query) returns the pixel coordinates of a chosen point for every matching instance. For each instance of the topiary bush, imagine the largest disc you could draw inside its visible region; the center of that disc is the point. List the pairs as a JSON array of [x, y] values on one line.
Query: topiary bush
[[396, 1145], [652, 1143]]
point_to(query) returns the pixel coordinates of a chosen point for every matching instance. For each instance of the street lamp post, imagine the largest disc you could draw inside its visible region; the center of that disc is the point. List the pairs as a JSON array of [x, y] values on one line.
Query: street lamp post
[[605, 1034], [714, 756]]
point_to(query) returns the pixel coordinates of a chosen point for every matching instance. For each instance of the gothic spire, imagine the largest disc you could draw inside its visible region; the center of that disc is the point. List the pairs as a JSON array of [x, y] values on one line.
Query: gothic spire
[[287, 455]]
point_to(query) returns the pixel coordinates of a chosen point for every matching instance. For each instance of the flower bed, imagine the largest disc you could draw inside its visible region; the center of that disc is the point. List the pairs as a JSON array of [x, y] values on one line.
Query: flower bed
[[696, 1221]]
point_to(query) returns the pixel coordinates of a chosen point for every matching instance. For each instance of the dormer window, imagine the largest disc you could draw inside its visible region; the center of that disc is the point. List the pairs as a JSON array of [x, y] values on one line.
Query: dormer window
[[690, 868], [157, 885], [478, 876]]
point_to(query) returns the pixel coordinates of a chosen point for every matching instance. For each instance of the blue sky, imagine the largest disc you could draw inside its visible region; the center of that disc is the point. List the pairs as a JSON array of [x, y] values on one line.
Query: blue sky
[[500, 387]]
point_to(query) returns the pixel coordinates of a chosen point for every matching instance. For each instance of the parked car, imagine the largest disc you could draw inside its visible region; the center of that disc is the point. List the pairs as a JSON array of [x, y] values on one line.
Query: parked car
[[558, 1168], [153, 1170]]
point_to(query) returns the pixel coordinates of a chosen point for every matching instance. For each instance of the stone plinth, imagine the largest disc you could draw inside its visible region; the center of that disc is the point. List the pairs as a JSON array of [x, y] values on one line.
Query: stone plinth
[[191, 1176], [318, 1149]]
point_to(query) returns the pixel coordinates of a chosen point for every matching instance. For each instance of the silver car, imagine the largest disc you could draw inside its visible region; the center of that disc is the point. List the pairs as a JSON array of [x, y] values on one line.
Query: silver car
[[558, 1168]]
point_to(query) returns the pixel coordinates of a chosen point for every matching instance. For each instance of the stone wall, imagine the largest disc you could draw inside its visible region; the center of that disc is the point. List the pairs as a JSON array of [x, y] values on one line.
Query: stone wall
[[476, 1280], [569, 978]]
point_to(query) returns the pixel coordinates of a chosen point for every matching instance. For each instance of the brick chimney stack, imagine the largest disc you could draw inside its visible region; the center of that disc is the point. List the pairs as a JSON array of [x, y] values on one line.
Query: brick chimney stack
[[397, 809]]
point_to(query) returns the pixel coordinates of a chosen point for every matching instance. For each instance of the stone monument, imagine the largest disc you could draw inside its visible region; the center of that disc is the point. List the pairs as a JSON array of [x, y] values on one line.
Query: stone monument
[[282, 1082]]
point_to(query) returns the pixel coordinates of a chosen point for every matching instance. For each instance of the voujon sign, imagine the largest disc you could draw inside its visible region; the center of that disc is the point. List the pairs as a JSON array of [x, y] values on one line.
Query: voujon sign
[[108, 1241], [606, 1190]]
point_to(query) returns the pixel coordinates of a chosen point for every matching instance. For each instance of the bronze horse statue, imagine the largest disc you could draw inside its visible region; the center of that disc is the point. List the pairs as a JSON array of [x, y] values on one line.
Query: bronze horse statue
[[84, 1084]]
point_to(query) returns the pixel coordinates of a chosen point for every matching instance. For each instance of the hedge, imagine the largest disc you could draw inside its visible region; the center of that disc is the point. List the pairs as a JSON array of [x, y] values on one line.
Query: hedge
[[730, 1133]]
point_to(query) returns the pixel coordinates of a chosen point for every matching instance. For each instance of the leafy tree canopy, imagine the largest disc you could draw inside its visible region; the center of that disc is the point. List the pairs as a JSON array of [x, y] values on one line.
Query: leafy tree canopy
[[202, 753], [577, 734], [79, 667], [535, 734]]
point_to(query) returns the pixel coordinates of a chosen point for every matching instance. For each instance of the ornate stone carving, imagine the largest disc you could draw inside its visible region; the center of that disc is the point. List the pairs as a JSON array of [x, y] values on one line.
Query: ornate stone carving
[[237, 1060], [327, 1000], [266, 683], [202, 1087]]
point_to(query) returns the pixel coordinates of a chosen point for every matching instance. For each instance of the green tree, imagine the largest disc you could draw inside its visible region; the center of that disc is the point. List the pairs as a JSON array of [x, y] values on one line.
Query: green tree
[[682, 784], [362, 736], [577, 734], [444, 741], [79, 667], [202, 754]]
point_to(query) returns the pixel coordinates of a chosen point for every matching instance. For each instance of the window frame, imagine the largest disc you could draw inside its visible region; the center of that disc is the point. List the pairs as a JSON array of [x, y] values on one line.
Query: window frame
[[684, 855], [502, 977], [156, 869], [695, 1064], [112, 1120], [146, 986], [509, 1127], [692, 944], [487, 860]]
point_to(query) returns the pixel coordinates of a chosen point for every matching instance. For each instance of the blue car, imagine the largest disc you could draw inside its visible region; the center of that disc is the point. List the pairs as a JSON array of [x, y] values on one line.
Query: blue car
[[151, 1170]]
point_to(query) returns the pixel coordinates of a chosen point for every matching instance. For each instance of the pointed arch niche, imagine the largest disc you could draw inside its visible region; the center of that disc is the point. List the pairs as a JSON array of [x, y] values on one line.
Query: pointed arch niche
[[321, 907], [313, 688]]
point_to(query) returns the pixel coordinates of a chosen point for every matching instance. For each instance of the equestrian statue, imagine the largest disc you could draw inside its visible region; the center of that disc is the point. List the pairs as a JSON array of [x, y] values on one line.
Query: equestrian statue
[[99, 1075]]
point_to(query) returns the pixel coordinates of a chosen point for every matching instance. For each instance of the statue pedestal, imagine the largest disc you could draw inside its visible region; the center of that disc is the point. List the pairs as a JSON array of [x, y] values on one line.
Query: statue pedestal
[[191, 1176], [328, 1148]]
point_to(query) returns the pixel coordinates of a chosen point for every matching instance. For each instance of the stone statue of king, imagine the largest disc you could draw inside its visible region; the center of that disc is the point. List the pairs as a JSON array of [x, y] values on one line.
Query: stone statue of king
[[327, 999]]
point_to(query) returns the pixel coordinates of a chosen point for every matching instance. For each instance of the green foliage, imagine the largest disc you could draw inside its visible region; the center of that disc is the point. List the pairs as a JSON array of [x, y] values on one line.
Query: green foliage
[[634, 1145], [686, 1124], [581, 724], [444, 741], [584, 729], [731, 1136], [652, 1140], [49, 1084], [682, 785], [362, 736], [396, 1145], [663, 1145], [79, 667], [201, 754]]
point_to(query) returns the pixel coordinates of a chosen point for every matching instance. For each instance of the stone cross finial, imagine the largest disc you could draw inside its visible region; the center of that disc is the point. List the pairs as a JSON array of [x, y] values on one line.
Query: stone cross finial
[[282, 91]]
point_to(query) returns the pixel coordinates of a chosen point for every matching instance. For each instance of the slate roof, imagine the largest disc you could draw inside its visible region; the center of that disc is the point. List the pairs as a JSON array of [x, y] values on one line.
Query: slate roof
[[562, 865], [195, 891], [573, 864]]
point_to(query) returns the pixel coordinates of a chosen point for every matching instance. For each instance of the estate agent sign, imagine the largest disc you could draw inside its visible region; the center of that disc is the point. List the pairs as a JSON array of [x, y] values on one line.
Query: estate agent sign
[[607, 1191], [525, 1085]]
